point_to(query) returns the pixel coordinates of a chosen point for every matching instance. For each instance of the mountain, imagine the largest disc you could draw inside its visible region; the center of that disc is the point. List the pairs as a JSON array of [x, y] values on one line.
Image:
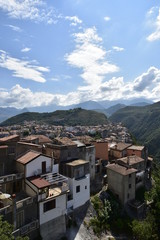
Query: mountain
[[88, 105], [143, 123], [71, 117], [106, 103], [7, 112]]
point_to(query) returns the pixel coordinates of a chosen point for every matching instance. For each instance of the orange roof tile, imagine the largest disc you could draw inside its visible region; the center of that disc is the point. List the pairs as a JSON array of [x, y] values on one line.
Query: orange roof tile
[[40, 182], [28, 157]]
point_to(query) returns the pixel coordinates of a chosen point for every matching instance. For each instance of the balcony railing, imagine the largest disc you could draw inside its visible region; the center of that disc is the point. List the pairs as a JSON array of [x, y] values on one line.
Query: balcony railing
[[11, 177], [26, 228]]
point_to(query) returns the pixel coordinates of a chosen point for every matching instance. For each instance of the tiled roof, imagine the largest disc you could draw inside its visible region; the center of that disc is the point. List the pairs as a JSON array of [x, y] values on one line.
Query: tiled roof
[[64, 141], [120, 146], [139, 148], [120, 169], [131, 160], [28, 157], [11, 137], [40, 182]]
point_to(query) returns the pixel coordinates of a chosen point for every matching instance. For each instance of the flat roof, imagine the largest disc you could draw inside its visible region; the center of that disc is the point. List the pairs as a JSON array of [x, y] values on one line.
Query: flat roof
[[120, 169], [29, 144], [3, 146], [79, 143], [77, 162], [28, 157], [134, 147]]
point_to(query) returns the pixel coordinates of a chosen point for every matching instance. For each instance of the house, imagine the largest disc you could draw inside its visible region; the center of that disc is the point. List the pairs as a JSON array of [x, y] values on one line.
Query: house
[[121, 181], [127, 175], [77, 172], [139, 151], [86, 151], [119, 150]]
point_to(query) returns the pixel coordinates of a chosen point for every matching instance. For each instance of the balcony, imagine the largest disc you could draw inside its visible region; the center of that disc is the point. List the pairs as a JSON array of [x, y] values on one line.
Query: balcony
[[11, 177]]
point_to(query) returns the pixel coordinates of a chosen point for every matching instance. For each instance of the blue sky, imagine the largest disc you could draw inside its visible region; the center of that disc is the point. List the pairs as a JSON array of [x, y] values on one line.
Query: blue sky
[[69, 51]]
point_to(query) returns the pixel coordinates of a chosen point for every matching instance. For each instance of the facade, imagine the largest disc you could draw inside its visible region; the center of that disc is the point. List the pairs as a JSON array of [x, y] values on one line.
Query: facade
[[77, 172], [127, 175]]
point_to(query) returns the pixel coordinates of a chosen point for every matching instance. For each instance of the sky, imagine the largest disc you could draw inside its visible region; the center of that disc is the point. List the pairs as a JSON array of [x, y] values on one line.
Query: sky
[[69, 51]]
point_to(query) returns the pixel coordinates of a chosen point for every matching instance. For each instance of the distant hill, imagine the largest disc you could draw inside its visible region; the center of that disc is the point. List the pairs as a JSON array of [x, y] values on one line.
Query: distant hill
[[88, 105], [7, 112], [71, 117], [143, 123]]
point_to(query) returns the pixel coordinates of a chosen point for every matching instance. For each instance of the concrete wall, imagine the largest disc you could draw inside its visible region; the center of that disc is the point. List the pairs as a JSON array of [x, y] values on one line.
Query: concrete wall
[[58, 211], [121, 185], [54, 229], [80, 198], [36, 164]]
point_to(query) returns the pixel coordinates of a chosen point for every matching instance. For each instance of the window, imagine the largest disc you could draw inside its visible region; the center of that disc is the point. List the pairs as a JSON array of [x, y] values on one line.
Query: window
[[49, 205], [129, 175], [130, 185], [77, 189], [85, 187], [128, 195]]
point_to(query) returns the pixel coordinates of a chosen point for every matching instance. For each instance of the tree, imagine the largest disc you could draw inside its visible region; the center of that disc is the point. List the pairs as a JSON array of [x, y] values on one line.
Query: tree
[[6, 230]]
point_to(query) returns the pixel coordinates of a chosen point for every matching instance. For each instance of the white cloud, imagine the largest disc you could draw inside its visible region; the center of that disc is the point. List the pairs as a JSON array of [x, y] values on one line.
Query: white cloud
[[107, 18], [147, 85], [156, 25], [118, 49], [15, 28], [147, 80], [25, 49], [35, 10], [74, 20], [21, 68], [90, 56]]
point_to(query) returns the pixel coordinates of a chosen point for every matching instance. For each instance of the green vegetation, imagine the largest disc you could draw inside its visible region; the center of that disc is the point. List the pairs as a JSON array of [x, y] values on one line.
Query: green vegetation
[[143, 123], [6, 230], [71, 117], [100, 222], [109, 216]]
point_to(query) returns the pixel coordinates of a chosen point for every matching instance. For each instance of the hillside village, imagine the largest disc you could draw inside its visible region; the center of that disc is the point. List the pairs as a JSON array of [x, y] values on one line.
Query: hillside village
[[48, 172]]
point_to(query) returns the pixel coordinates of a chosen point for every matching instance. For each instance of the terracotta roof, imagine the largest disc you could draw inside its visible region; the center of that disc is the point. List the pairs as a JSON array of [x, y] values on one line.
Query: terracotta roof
[[11, 137], [40, 182], [120, 146], [41, 138], [64, 141], [131, 160], [120, 169], [28, 157], [139, 148], [77, 162]]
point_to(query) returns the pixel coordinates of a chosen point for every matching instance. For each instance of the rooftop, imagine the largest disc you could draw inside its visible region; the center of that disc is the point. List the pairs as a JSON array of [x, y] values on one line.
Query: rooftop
[[131, 160], [64, 141], [120, 146], [11, 137], [77, 162], [40, 182], [28, 157], [79, 143], [138, 148], [120, 169]]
